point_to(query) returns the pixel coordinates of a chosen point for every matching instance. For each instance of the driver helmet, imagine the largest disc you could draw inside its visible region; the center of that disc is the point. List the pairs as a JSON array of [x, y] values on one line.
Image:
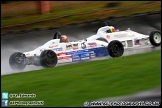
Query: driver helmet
[[64, 38], [111, 29]]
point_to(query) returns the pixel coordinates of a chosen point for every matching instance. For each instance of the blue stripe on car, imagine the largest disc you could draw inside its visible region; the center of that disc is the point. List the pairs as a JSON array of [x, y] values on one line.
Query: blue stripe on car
[[88, 53]]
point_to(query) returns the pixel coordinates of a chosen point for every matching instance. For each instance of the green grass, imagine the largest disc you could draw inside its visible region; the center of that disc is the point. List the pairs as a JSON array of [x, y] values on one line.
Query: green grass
[[72, 85], [70, 9], [32, 16]]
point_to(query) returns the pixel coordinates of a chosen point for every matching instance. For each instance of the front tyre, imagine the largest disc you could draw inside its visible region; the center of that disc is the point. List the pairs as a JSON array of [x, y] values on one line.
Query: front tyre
[[155, 38], [17, 61], [48, 58], [115, 48]]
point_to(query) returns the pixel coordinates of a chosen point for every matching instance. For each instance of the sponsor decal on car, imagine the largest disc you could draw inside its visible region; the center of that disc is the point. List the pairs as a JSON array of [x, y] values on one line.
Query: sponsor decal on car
[[92, 44], [58, 49], [85, 55], [85, 58], [28, 54], [80, 51], [69, 53], [75, 46], [75, 57], [108, 37], [61, 53], [77, 52], [64, 57], [121, 35], [83, 45], [53, 46], [137, 42], [92, 55], [68, 46]]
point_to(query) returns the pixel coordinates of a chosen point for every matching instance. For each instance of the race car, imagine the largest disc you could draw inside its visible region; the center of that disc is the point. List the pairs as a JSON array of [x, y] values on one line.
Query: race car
[[107, 42], [128, 38]]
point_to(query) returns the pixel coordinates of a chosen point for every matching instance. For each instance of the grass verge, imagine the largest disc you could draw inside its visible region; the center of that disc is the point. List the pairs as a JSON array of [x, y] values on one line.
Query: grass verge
[[124, 9], [72, 85]]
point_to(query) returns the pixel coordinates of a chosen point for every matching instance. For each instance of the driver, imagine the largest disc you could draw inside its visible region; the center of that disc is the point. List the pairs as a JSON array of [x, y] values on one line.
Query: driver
[[64, 38], [110, 29]]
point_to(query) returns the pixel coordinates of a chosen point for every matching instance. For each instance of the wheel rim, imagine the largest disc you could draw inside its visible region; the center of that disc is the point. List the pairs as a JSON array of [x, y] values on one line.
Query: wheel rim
[[50, 60], [157, 37], [19, 61]]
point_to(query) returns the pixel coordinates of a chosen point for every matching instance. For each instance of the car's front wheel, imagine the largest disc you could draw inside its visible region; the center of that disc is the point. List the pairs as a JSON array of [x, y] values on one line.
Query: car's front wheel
[[48, 58], [17, 61], [155, 38], [115, 48]]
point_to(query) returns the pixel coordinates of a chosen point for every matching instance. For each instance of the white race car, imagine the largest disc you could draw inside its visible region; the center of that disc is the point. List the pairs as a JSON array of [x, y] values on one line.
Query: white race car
[[106, 42], [128, 38]]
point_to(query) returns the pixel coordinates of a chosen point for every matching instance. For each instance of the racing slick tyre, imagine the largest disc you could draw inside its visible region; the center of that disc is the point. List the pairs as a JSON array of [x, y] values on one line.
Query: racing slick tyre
[[48, 58], [17, 61], [155, 38], [57, 35], [115, 48]]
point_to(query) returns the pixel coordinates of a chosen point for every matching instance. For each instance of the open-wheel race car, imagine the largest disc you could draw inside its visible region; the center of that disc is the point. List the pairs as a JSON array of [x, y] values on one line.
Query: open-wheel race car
[[128, 38], [107, 42]]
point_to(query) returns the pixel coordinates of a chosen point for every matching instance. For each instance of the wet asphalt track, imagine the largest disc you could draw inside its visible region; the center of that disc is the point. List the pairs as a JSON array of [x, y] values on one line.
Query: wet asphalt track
[[31, 40]]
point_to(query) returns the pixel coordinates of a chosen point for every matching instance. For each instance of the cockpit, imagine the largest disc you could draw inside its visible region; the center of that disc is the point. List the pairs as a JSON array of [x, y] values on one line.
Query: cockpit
[[107, 29]]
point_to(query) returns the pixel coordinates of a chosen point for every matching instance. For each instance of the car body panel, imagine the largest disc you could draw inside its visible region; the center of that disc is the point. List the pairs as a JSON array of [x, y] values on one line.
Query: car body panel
[[128, 37], [72, 51]]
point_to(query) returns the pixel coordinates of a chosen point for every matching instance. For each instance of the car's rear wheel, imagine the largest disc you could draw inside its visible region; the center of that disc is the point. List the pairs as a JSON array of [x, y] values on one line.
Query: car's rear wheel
[[17, 61], [115, 48], [48, 58], [155, 38]]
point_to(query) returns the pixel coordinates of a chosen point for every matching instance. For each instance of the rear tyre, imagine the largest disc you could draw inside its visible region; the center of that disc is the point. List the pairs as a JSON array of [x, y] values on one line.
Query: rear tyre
[[48, 58], [17, 61], [115, 48], [155, 38]]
